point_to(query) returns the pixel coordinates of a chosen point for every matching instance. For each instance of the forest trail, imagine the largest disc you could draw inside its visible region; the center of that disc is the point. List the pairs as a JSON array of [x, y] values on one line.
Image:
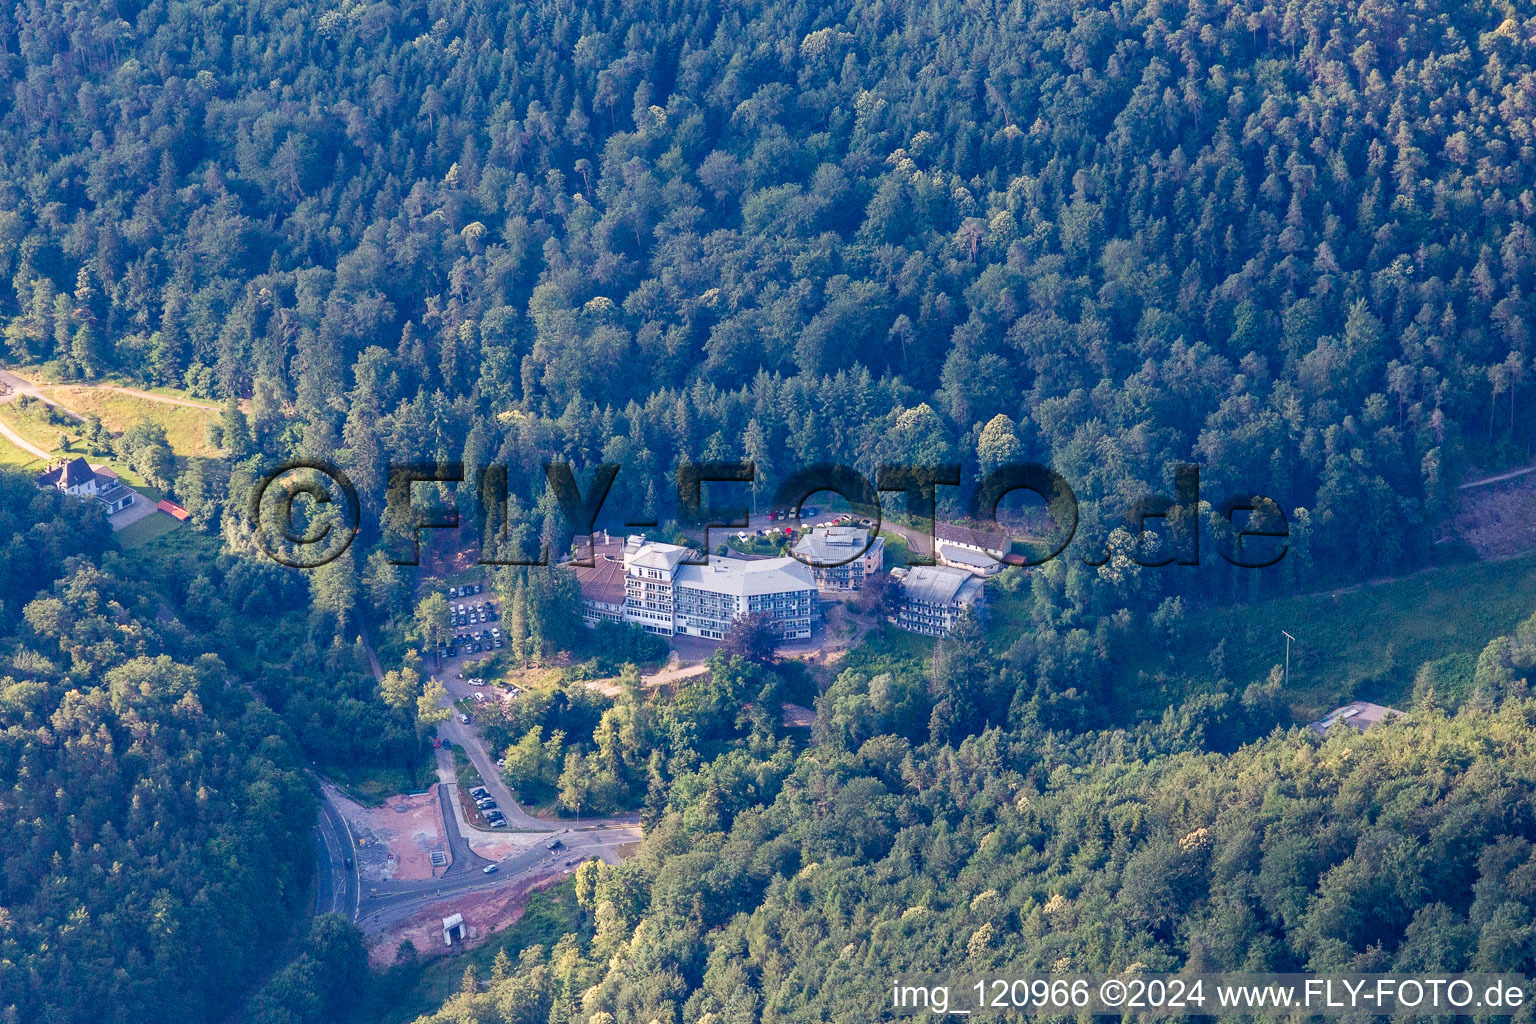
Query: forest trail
[[1512, 474], [148, 396], [22, 443], [24, 386]]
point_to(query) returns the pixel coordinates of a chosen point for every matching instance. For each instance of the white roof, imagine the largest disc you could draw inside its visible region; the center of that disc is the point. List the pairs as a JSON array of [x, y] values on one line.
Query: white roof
[[747, 578], [655, 556], [966, 556], [830, 544]]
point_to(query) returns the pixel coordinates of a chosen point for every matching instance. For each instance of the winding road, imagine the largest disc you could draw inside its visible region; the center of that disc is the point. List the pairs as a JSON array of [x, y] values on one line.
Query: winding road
[[336, 882], [10, 387], [22, 386], [378, 905]]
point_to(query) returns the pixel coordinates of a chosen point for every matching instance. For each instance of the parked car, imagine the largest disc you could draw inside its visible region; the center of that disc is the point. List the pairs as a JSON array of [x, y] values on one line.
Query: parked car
[[499, 823], [479, 791], [463, 719], [809, 510], [498, 643]]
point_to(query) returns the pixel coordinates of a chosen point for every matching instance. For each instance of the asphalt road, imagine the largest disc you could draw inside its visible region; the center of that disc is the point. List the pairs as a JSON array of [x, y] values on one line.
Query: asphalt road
[[336, 884], [376, 906], [389, 903], [464, 859]]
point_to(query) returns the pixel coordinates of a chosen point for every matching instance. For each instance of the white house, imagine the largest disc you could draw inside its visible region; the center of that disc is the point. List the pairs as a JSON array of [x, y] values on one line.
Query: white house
[[78, 478]]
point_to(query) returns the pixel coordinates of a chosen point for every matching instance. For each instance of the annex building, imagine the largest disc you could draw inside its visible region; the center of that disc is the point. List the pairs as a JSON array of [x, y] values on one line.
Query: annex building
[[841, 561], [933, 597]]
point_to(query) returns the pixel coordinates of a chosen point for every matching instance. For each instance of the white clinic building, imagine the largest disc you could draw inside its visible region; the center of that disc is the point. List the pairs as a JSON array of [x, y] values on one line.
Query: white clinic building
[[664, 596]]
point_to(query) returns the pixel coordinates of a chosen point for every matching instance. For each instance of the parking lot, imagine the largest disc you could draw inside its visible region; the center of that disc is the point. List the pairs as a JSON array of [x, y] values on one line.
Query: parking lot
[[474, 618]]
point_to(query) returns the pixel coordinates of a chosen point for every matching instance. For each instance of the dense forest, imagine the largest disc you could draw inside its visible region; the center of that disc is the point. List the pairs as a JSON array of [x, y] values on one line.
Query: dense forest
[[792, 890], [157, 819], [1289, 242]]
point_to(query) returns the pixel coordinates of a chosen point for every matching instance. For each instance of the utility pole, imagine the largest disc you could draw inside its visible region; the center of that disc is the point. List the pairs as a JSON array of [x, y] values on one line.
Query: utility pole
[[1288, 639]]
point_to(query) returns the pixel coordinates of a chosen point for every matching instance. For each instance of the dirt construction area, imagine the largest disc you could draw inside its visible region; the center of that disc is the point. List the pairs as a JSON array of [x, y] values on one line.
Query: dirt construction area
[[496, 846], [485, 914], [397, 841]]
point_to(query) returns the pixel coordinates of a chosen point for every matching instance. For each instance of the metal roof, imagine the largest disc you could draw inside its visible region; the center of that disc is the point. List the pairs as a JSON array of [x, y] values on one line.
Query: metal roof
[[1360, 714], [656, 556], [743, 578], [939, 584], [829, 545], [966, 556]]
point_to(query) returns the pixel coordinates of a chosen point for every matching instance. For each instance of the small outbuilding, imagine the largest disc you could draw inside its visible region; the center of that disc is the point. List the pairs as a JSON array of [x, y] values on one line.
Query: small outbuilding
[[1359, 715]]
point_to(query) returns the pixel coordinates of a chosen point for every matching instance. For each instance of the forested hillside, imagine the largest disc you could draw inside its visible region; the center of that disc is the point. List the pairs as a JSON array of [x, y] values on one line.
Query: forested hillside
[[156, 840], [1290, 242], [1050, 856]]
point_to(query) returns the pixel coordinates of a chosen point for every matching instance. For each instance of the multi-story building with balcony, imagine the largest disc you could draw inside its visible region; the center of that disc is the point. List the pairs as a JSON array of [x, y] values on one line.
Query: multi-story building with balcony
[[933, 597], [710, 597], [665, 596]]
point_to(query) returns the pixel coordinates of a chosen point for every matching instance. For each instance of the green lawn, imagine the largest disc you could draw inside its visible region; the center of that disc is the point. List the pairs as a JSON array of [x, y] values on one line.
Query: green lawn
[[15, 458], [889, 648], [34, 424], [156, 524], [1366, 643], [184, 426], [465, 771]]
